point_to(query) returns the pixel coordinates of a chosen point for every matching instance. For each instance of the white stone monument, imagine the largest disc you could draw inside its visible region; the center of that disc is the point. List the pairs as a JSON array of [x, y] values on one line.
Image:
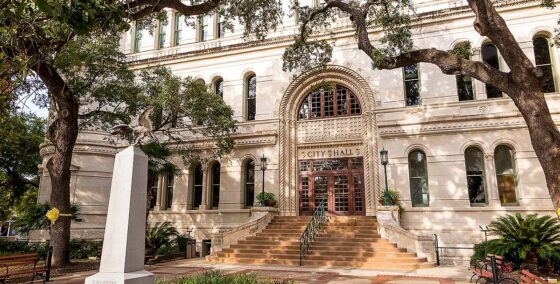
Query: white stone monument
[[122, 258]]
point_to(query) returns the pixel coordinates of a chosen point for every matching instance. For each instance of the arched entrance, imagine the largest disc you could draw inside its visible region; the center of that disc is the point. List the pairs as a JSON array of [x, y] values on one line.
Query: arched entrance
[[328, 146]]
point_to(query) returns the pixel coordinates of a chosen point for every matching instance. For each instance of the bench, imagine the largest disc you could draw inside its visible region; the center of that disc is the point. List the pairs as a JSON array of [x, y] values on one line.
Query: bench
[[490, 270], [20, 265], [529, 278]]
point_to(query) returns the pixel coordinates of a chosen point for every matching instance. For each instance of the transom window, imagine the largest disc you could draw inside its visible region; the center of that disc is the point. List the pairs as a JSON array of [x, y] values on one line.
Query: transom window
[[329, 102]]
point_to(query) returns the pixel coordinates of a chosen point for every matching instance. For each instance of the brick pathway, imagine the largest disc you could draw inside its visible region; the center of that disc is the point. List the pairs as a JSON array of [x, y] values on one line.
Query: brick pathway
[[182, 268]]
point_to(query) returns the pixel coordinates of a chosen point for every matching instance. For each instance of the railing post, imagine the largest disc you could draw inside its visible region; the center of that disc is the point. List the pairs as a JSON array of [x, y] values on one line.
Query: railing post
[[49, 263], [495, 275], [436, 245]]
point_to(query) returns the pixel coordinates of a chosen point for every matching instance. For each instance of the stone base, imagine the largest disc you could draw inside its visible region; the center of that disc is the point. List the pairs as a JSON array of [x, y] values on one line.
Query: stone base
[[137, 277]]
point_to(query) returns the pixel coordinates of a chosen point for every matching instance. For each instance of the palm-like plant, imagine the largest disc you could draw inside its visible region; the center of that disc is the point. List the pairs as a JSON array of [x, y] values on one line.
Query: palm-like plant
[[528, 238], [160, 234]]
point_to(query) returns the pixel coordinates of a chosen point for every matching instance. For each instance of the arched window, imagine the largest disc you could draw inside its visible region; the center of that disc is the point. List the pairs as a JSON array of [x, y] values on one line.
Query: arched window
[[411, 76], [324, 103], [543, 61], [464, 82], [249, 179], [251, 97], [490, 56], [197, 176], [418, 171], [505, 174], [215, 185], [474, 164], [219, 87]]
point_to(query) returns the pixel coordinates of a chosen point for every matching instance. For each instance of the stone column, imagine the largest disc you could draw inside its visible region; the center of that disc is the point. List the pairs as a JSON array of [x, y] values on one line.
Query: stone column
[[122, 258], [205, 196], [491, 183]]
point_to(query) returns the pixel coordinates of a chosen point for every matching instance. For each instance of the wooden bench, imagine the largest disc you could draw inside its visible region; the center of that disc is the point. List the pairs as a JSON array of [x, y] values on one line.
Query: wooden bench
[[490, 270], [529, 278], [20, 265]]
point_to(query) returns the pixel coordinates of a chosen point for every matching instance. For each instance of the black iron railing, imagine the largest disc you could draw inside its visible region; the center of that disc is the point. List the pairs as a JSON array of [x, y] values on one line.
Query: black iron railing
[[312, 229]]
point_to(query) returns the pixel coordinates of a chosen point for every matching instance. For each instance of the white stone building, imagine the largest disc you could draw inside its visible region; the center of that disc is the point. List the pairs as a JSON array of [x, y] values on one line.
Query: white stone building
[[459, 152]]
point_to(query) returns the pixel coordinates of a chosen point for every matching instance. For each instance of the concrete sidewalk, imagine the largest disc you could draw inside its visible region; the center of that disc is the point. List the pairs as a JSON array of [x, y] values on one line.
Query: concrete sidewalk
[[181, 268]]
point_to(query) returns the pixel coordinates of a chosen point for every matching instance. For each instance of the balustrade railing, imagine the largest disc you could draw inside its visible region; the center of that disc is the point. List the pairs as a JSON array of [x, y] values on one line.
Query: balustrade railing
[[312, 229]]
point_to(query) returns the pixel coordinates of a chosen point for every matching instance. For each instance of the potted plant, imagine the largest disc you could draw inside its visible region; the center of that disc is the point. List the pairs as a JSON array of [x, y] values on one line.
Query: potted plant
[[393, 197], [267, 198]]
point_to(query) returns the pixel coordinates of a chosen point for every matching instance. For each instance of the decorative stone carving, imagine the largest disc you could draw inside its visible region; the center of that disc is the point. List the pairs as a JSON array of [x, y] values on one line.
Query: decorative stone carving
[[362, 129], [340, 129]]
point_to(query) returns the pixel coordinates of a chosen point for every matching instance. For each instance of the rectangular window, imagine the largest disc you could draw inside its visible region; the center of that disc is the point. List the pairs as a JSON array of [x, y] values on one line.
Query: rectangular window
[[220, 27], [464, 88], [162, 34], [203, 28], [169, 192], [179, 29], [137, 38], [412, 85]]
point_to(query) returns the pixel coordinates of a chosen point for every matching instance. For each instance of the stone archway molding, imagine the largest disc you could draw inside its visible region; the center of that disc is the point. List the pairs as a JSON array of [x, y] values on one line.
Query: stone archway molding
[[289, 106]]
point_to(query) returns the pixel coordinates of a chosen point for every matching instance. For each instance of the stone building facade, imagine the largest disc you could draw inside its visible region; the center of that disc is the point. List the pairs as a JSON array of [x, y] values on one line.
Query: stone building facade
[[459, 152]]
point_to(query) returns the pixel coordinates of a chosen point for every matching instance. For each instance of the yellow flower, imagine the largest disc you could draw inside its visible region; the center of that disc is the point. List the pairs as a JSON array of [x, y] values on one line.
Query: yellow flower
[[558, 211], [53, 215]]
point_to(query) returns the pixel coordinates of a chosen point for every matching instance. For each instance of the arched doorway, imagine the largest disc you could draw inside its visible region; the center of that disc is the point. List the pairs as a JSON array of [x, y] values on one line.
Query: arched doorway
[[328, 144]]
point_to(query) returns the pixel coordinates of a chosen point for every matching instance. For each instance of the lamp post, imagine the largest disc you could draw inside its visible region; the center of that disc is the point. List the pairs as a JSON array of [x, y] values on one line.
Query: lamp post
[[384, 161], [263, 169]]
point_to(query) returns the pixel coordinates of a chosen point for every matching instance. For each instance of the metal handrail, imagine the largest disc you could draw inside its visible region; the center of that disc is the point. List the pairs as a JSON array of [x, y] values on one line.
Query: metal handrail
[[312, 229]]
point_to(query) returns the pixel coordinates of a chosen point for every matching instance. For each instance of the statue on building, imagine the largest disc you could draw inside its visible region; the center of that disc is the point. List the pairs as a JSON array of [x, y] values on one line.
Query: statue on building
[[136, 131]]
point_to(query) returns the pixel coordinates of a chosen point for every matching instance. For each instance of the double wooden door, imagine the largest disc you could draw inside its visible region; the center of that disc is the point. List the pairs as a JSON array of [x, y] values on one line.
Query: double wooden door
[[337, 182]]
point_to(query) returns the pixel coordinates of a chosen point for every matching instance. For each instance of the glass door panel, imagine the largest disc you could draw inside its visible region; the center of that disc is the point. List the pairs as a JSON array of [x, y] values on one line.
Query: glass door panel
[[341, 190], [320, 189]]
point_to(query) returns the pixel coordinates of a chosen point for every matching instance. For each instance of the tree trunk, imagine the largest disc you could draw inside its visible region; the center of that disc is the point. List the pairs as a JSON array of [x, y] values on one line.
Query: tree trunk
[[545, 137], [62, 133]]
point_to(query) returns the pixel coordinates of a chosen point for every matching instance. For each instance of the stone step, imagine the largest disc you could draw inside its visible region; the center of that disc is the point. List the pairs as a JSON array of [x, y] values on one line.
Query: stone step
[[350, 241], [311, 252], [268, 255], [332, 263]]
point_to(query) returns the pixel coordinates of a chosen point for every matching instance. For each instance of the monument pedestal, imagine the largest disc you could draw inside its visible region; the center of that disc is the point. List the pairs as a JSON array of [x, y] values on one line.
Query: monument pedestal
[[122, 258], [137, 277]]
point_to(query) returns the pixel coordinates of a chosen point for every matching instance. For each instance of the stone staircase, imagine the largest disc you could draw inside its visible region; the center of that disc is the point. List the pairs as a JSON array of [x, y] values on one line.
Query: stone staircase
[[345, 241]]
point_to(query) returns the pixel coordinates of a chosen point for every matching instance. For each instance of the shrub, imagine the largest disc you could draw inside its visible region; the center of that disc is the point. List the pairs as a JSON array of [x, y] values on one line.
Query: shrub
[[393, 196], [182, 240], [80, 249], [525, 240], [266, 196], [18, 247], [160, 234], [217, 277]]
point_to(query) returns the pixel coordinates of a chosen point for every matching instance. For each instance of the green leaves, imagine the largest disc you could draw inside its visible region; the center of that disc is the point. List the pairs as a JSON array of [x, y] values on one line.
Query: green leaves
[[525, 237]]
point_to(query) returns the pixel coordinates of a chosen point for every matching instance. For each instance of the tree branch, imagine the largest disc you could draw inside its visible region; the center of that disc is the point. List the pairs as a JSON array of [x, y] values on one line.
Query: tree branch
[[489, 23], [150, 7]]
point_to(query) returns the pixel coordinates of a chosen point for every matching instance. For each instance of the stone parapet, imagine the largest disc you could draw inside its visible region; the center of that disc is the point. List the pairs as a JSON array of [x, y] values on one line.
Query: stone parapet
[[260, 218], [390, 228]]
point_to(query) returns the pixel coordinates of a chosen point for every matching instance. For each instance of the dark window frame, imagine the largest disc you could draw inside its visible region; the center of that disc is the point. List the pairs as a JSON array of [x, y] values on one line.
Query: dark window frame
[[419, 177], [546, 67], [251, 97], [472, 176], [328, 104], [408, 80], [491, 91]]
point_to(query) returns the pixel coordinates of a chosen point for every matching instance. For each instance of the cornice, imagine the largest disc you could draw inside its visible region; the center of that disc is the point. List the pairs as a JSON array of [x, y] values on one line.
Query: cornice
[[345, 30], [451, 126]]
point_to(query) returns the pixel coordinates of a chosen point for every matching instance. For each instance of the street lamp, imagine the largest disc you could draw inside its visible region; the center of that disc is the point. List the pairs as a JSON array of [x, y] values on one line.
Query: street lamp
[[384, 161], [263, 169]]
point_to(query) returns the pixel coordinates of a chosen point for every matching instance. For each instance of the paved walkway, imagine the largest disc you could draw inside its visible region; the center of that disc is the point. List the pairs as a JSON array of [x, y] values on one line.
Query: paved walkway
[[179, 268]]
